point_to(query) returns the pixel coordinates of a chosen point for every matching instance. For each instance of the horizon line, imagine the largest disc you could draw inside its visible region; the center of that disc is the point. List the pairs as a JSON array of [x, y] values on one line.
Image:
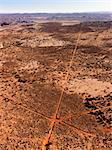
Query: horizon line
[[54, 12]]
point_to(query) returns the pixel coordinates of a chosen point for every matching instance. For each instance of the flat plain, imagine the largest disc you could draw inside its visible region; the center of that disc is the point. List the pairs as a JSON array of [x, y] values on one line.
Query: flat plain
[[56, 85]]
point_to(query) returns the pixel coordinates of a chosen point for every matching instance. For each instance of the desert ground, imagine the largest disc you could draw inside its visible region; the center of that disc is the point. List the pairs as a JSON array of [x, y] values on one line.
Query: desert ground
[[56, 86]]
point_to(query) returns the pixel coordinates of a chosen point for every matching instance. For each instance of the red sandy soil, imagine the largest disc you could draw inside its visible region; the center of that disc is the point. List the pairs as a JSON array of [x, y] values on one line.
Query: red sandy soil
[[35, 71]]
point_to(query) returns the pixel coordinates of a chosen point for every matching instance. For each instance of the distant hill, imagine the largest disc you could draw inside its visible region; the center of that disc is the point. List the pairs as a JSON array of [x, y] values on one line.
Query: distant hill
[[30, 17]]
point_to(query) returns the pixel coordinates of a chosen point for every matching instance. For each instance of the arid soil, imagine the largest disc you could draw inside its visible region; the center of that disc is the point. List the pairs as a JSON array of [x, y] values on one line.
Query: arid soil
[[47, 101]]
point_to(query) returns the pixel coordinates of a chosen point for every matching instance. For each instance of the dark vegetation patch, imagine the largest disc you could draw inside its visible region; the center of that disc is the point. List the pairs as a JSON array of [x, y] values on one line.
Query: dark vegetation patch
[[57, 27], [30, 29], [76, 28], [50, 27], [99, 24], [89, 49], [107, 38], [63, 53], [26, 25], [20, 79], [18, 43], [55, 49], [102, 116], [5, 24], [53, 27], [108, 44]]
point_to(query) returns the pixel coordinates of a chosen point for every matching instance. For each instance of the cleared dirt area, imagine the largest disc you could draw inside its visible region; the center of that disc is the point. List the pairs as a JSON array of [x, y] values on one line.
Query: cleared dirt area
[[56, 86]]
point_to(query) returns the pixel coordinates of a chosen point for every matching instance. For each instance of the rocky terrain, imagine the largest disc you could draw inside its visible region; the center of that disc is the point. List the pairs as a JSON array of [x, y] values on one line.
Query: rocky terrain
[[47, 101]]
